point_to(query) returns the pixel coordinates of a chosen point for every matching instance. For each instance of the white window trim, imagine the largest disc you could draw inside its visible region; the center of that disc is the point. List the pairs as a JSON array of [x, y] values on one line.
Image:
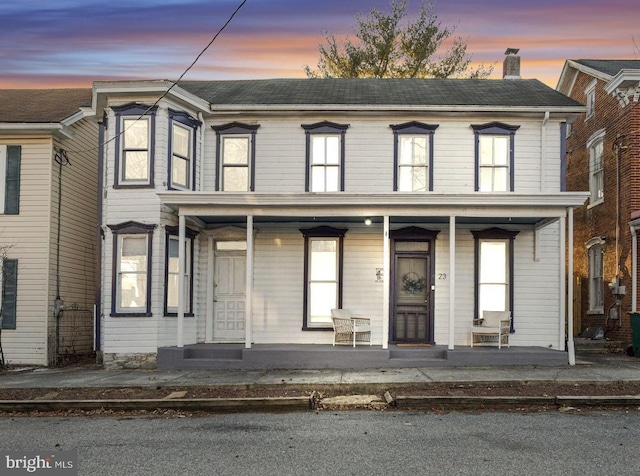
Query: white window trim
[[224, 165], [336, 281], [187, 275], [591, 143], [595, 244], [412, 166], [590, 92], [324, 165], [189, 158], [119, 272], [493, 165], [122, 164]]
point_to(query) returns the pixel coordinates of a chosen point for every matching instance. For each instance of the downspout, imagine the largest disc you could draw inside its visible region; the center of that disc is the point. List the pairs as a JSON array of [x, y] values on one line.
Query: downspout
[[202, 129], [61, 159], [100, 238], [634, 268], [543, 143]]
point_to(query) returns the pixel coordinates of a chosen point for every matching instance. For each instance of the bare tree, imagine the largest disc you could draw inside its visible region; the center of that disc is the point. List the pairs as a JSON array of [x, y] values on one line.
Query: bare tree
[[387, 46]]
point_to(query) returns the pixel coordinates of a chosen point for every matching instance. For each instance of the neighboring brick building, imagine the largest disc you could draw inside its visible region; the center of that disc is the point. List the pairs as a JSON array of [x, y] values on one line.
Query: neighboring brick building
[[603, 157]]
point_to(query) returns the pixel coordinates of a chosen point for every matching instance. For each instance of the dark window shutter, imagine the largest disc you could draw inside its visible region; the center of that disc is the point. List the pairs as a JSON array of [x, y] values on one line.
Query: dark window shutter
[[12, 182], [9, 293]]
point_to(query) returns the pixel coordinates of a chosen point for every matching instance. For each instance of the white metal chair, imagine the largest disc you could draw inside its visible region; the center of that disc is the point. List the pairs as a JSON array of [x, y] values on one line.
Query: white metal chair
[[492, 324], [348, 329]]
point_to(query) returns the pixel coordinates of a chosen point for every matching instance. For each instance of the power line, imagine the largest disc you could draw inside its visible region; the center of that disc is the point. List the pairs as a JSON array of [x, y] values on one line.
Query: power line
[[173, 84]]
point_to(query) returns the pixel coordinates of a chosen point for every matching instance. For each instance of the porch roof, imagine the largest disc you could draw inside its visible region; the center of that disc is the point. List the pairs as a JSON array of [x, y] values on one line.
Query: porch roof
[[523, 209]]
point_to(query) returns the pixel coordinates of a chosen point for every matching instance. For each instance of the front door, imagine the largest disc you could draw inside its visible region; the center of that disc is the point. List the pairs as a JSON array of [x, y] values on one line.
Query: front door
[[412, 288], [229, 296]]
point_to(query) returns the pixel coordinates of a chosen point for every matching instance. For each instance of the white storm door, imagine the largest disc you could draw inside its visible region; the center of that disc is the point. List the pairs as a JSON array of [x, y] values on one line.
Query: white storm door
[[229, 297]]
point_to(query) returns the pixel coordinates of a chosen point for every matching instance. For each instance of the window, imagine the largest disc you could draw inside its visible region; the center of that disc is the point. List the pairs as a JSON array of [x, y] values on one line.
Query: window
[[10, 179], [494, 270], [325, 157], [135, 142], [595, 144], [9, 277], [235, 157], [494, 159], [413, 157], [131, 282], [590, 93], [322, 275], [596, 275], [182, 146], [171, 272]]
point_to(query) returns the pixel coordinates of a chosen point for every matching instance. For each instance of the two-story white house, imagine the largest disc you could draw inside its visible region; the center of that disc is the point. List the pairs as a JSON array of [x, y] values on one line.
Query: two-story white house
[[244, 211]]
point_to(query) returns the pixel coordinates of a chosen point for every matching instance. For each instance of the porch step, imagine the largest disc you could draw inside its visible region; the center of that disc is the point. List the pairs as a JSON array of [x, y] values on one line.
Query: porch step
[[598, 346]]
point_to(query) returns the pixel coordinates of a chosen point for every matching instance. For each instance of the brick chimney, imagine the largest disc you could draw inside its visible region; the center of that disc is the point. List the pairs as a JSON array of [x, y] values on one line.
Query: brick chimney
[[511, 65]]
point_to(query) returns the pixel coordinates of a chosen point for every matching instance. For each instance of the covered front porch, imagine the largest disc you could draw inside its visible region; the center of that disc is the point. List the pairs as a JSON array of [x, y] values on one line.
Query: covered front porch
[[274, 336], [301, 356]]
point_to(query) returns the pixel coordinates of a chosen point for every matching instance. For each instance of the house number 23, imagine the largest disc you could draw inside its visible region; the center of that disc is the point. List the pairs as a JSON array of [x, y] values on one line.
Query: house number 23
[[442, 276]]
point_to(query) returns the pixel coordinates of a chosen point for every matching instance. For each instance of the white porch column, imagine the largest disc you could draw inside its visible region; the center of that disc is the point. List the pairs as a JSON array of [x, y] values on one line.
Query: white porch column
[[248, 317], [181, 268], [210, 290], [563, 278], [570, 343], [386, 264], [452, 281]]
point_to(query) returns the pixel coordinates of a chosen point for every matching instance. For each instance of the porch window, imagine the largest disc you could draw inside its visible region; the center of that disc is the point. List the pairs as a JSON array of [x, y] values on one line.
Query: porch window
[[413, 157], [172, 275], [596, 276], [135, 141], [323, 276], [595, 144], [325, 157], [494, 157], [183, 150], [131, 283], [235, 153], [494, 270]]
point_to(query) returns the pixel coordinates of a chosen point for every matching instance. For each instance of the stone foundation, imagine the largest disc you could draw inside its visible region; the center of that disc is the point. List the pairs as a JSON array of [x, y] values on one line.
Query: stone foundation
[[129, 361]]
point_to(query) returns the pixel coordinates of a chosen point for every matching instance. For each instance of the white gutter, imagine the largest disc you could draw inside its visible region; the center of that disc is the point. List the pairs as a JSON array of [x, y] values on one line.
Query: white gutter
[[234, 108], [543, 144]]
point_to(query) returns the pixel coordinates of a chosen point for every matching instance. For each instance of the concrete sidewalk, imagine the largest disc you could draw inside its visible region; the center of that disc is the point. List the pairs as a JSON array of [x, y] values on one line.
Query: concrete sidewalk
[[589, 368]]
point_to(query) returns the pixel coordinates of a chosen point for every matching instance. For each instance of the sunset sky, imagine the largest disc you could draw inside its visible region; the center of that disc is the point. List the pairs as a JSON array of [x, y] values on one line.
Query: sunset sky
[[70, 43]]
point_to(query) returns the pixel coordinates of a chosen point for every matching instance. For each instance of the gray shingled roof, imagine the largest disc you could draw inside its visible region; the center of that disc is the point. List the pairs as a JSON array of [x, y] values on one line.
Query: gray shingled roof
[[610, 67], [379, 92], [41, 105]]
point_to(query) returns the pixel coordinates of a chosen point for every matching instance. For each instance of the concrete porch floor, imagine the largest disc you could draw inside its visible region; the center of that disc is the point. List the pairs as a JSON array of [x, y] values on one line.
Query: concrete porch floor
[[301, 356]]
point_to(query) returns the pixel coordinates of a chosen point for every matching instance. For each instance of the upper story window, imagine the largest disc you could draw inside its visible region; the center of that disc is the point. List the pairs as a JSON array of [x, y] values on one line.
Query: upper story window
[[595, 144], [235, 157], [182, 147], [131, 282], [10, 179], [494, 157], [590, 94], [135, 144], [325, 156], [413, 157]]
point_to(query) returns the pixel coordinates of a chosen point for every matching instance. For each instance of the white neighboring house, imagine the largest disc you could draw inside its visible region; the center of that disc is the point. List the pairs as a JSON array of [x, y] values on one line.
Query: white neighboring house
[[48, 222], [416, 202]]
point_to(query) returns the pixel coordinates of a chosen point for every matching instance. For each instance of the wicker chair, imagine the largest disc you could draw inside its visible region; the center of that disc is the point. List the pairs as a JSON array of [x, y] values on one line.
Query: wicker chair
[[492, 324], [348, 329]]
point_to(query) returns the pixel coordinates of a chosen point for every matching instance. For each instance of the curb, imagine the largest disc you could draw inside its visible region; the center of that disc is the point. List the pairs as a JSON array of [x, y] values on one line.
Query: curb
[[212, 405], [291, 404]]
